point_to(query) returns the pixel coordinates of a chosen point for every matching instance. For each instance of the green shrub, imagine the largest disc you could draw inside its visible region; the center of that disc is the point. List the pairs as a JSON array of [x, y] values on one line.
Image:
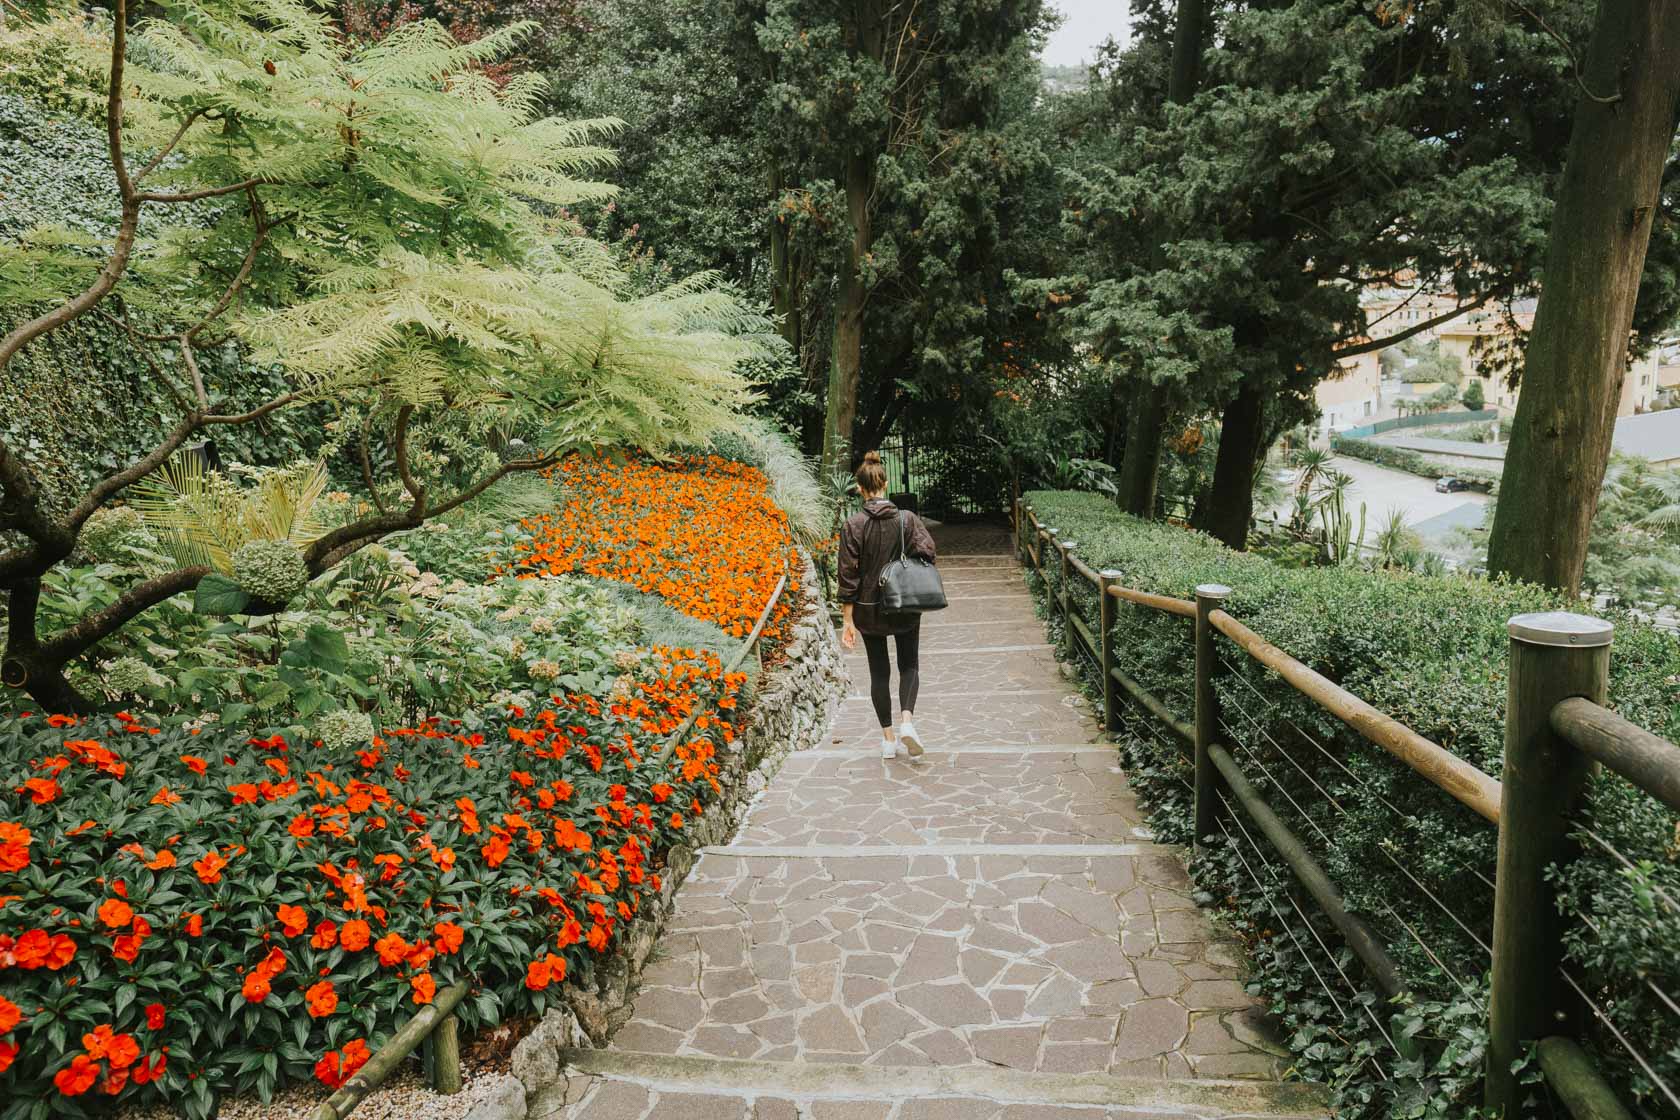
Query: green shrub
[[1431, 652], [1405, 459]]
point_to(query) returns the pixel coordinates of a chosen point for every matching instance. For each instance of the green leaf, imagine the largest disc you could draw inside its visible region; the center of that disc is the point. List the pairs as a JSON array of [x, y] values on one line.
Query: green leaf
[[219, 594]]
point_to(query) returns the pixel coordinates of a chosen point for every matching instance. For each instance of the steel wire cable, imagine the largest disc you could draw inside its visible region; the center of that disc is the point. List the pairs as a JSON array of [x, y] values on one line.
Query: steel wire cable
[[1307, 957], [1673, 1006], [1253, 757], [1627, 863], [1633, 1051], [1287, 755], [1417, 937]]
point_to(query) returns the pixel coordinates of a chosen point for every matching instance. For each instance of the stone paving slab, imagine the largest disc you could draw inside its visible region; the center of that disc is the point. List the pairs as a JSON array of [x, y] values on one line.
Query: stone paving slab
[[949, 722], [1058, 963], [751, 1090], [1042, 797]]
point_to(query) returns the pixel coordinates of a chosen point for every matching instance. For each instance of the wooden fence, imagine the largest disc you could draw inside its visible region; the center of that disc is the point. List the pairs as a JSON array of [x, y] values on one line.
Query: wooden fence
[[435, 1027], [1557, 729]]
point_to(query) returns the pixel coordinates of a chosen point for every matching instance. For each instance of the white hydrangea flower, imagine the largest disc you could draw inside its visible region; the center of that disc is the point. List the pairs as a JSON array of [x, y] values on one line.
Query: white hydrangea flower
[[344, 728], [273, 571]]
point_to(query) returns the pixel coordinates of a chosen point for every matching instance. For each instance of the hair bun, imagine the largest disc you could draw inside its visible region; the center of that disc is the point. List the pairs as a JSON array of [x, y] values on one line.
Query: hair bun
[[872, 457]]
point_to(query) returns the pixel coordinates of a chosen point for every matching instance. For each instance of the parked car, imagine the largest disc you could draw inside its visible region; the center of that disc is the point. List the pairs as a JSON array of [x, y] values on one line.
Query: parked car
[[1449, 485]]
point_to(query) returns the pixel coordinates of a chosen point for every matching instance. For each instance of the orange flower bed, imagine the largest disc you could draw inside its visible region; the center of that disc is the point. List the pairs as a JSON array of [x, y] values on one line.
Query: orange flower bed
[[700, 533], [187, 915]]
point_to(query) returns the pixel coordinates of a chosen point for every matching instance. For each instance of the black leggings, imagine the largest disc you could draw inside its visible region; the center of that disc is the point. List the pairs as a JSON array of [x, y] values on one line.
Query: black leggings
[[880, 673]]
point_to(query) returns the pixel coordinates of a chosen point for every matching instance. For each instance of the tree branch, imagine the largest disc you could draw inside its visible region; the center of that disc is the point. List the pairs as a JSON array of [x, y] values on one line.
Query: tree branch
[[163, 153], [367, 470], [1384, 343], [92, 628], [25, 333], [400, 447], [108, 487], [204, 192]]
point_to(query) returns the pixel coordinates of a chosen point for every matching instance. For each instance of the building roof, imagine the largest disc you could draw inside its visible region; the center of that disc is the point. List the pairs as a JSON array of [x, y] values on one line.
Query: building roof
[[1650, 435]]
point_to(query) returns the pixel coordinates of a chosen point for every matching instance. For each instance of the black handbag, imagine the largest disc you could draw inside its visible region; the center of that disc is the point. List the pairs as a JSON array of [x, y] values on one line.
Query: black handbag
[[909, 585]]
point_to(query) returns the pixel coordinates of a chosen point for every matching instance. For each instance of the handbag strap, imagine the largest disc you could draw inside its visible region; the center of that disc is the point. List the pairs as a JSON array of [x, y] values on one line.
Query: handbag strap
[[902, 553]]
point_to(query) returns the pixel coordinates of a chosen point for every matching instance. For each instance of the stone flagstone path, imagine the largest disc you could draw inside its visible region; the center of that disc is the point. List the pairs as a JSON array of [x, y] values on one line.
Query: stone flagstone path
[[986, 933]]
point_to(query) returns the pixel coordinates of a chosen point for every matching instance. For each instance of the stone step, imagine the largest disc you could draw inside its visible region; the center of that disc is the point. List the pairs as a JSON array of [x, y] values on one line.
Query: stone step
[[612, 1085], [1077, 958], [946, 722], [1038, 797]]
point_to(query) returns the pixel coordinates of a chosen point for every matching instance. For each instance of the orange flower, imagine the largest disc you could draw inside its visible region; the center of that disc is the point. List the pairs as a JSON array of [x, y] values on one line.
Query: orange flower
[[293, 920], [540, 974], [322, 999], [194, 763], [77, 1077], [354, 935], [256, 988], [42, 791], [10, 1016], [164, 858], [154, 1016], [391, 948], [195, 925], [115, 913], [14, 846], [166, 796], [209, 868], [424, 987], [8, 1054], [326, 936], [449, 937]]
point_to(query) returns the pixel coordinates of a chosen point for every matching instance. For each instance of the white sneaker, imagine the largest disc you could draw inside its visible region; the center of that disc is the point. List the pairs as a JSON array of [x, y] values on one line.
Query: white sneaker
[[912, 742], [889, 749]]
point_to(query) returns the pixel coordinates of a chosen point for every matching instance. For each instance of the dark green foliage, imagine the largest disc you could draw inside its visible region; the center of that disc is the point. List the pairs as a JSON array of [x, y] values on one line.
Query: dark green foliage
[[84, 401], [1431, 652]]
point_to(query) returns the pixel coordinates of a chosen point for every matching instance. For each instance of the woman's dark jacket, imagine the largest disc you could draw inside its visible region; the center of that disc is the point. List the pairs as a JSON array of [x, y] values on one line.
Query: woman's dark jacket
[[868, 543]]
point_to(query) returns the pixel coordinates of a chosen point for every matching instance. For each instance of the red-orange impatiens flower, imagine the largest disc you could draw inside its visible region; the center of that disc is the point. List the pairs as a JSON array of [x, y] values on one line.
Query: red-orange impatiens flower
[[354, 935], [154, 1016], [449, 937], [209, 867], [14, 846], [293, 920], [391, 949], [322, 1000], [116, 913], [77, 1077], [10, 1016], [42, 791], [325, 936], [424, 987]]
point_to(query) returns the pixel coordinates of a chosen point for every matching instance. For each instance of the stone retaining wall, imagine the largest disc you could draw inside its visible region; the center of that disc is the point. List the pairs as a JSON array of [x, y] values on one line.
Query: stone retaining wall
[[796, 703]]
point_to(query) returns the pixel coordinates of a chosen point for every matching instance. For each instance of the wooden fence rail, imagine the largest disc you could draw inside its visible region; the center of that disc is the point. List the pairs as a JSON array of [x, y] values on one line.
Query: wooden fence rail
[[1556, 729]]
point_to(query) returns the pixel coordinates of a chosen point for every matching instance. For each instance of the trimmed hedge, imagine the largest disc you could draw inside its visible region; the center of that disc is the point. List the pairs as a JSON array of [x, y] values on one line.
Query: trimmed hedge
[[1405, 459], [1431, 651]]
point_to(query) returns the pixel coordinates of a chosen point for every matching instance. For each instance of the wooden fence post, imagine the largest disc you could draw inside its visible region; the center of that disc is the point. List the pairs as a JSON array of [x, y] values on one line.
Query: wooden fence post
[[1553, 656], [1067, 597], [1105, 639], [1208, 598]]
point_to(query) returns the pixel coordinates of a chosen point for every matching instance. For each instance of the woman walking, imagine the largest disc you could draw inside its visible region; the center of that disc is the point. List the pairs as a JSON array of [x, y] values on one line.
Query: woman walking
[[869, 541]]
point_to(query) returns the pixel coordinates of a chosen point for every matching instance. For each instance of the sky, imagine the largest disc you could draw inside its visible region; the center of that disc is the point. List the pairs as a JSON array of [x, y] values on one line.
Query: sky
[[1087, 23]]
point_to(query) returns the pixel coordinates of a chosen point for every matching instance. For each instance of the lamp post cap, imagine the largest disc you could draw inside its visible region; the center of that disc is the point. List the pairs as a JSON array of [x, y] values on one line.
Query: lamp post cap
[[1561, 628], [1212, 590]]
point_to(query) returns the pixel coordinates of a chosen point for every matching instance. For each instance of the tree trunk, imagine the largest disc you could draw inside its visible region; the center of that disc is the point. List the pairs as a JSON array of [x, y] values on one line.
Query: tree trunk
[[25, 667], [1242, 446], [1140, 463], [1577, 352], [845, 367], [784, 291], [1144, 427]]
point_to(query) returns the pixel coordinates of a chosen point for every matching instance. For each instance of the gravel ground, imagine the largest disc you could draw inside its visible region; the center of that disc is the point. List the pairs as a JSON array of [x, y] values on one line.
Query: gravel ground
[[404, 1097]]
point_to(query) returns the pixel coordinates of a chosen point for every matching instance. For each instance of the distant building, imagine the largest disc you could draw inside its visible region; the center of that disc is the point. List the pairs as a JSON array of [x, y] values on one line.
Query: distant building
[[1475, 338], [1352, 395], [1654, 436]]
